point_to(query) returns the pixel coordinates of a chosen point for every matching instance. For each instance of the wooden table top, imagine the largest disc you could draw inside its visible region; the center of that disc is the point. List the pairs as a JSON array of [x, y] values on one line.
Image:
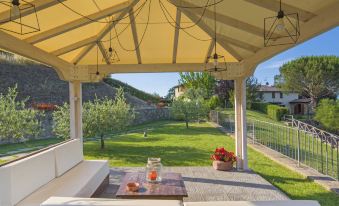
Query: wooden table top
[[171, 187]]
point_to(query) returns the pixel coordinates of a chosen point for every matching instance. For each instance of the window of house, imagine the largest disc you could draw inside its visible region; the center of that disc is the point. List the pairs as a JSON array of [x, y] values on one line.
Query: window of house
[[273, 95], [281, 95]]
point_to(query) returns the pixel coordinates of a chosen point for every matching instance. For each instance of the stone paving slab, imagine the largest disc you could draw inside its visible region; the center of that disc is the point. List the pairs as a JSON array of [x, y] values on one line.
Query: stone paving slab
[[207, 184]]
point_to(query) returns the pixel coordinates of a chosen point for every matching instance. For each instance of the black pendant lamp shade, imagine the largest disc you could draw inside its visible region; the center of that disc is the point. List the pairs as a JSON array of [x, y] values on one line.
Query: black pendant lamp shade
[[111, 53], [21, 18], [281, 29], [219, 61]]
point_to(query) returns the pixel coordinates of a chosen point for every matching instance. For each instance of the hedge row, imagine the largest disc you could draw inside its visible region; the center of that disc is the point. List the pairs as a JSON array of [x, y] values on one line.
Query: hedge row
[[260, 106], [276, 112], [273, 111]]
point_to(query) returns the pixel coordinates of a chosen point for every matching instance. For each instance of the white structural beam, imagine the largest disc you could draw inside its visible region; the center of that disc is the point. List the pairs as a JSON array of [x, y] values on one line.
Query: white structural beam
[[235, 69], [153, 68], [17, 46], [222, 38], [76, 23], [74, 46], [135, 36], [75, 100], [325, 19], [39, 5], [228, 20], [176, 36], [103, 52], [104, 31], [240, 123], [209, 31], [274, 6]]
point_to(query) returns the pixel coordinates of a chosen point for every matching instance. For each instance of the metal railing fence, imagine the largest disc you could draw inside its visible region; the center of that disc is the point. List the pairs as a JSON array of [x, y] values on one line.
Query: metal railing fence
[[318, 150]]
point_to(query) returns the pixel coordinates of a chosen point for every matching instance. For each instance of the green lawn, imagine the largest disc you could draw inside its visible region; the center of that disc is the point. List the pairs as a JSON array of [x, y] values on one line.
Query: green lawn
[[28, 144], [252, 114], [178, 146]]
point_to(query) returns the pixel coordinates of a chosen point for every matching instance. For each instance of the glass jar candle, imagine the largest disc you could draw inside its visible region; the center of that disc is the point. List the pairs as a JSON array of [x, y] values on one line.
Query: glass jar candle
[[153, 170]]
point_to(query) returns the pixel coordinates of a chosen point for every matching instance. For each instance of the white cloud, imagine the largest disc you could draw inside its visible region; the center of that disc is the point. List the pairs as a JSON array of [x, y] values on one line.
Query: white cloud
[[276, 64]]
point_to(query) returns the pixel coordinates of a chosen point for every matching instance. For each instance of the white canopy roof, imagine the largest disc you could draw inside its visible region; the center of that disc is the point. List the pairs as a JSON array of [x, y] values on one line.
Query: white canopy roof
[[71, 32]]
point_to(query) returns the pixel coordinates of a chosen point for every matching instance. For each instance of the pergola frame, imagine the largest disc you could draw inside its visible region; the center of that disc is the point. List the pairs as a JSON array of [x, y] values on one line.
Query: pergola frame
[[313, 24]]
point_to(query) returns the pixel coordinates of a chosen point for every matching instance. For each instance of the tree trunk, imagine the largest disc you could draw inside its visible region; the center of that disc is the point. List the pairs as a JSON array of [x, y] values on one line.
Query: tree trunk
[[186, 120], [102, 142], [313, 104]]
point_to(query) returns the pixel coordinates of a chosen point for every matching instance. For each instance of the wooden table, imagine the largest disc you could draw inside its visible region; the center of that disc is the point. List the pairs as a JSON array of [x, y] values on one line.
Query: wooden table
[[171, 187]]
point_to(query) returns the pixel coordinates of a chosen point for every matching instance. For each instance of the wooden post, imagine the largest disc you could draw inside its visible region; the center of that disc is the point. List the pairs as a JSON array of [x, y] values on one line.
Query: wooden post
[[75, 100], [240, 123]]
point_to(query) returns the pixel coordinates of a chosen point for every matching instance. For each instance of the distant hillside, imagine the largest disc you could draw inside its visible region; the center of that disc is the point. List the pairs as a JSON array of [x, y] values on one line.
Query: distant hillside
[[42, 85], [132, 90]]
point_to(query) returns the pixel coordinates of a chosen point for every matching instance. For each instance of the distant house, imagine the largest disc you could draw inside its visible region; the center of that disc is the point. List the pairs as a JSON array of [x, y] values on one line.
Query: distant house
[[179, 90], [295, 103]]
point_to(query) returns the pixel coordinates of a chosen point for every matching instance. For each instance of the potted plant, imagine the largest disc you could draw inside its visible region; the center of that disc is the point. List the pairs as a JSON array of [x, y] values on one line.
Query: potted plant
[[223, 160]]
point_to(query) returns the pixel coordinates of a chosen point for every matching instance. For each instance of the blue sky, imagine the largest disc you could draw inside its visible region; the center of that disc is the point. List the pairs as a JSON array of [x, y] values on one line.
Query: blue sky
[[324, 44]]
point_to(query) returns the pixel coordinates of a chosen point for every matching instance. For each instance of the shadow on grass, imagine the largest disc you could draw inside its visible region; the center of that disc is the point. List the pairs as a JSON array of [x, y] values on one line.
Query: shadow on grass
[[137, 155]]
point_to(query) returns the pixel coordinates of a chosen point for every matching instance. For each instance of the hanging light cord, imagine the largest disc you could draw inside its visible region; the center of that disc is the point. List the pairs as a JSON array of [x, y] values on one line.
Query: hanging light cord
[[97, 21], [215, 28], [164, 10], [97, 58], [195, 7], [176, 25], [126, 27], [143, 35], [110, 38]]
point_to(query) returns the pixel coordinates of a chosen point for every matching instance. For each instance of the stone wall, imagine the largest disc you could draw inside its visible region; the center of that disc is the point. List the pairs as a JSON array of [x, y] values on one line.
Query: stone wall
[[151, 114]]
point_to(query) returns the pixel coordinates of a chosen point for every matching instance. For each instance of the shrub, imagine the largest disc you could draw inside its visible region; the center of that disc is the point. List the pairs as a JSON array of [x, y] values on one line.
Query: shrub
[[16, 121], [327, 113], [260, 106], [214, 102], [276, 112]]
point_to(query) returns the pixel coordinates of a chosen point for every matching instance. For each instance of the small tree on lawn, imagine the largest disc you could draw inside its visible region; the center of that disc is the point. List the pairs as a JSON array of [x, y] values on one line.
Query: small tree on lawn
[[102, 117], [191, 106], [327, 113], [183, 109], [16, 121], [61, 120]]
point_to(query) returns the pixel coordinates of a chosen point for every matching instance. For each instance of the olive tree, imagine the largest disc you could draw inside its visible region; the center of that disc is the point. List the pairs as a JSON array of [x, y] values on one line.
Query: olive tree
[[16, 121], [100, 117], [61, 121], [191, 106]]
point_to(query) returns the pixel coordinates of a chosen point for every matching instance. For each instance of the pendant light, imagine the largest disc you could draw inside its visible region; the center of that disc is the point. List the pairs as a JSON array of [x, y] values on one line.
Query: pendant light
[[281, 29], [219, 61], [111, 53], [16, 21]]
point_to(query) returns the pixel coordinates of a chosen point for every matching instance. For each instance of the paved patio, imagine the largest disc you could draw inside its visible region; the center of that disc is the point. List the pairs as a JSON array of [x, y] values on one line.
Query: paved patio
[[207, 184]]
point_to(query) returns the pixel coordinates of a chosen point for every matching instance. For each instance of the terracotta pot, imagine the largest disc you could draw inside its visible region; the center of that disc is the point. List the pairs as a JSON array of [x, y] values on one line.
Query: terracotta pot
[[224, 166]]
